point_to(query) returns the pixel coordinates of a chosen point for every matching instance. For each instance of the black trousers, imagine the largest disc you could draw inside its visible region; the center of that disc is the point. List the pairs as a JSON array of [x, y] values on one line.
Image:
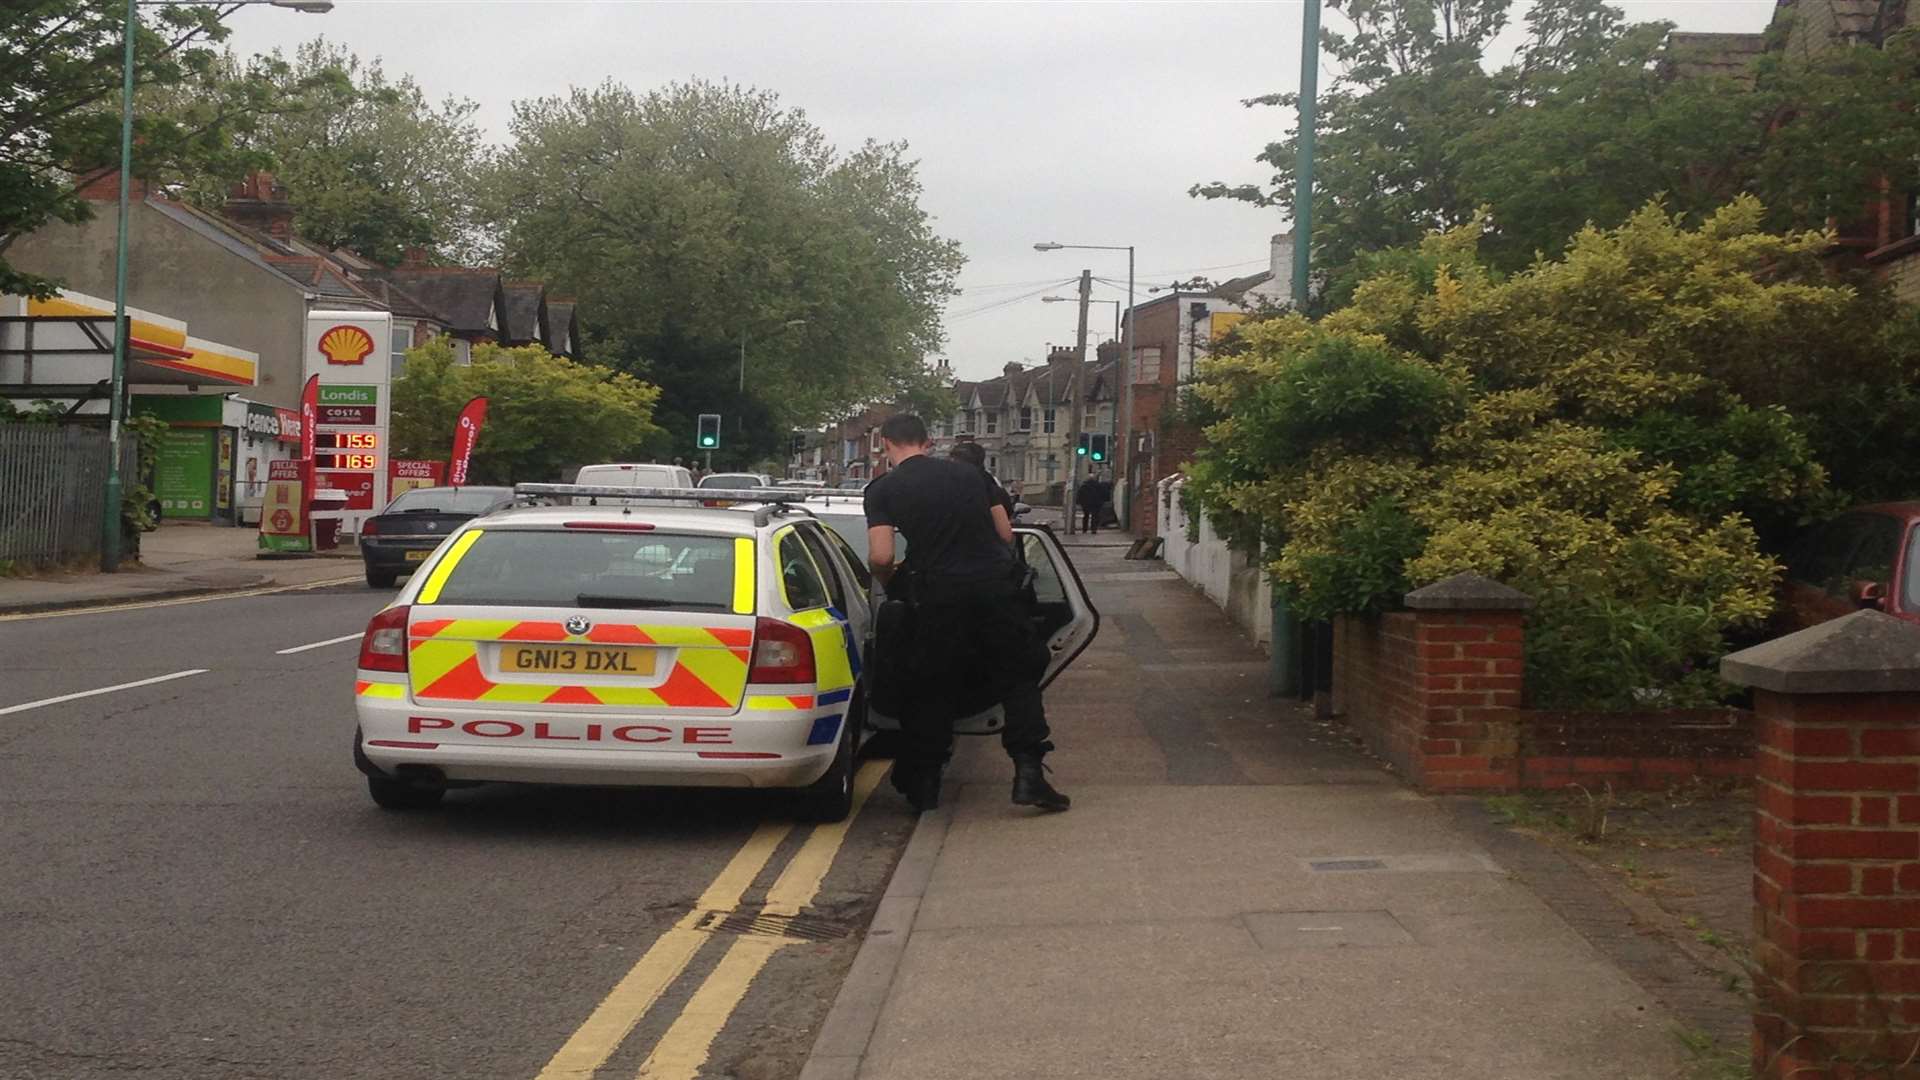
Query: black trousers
[[973, 643], [1090, 517]]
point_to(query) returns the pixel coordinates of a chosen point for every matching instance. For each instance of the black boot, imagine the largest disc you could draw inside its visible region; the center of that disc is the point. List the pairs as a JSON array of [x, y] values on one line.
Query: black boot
[[1030, 787], [921, 786]]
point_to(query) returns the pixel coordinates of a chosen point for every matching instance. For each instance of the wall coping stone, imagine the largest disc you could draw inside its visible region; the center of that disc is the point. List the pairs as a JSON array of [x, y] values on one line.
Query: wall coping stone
[[1468, 592], [1866, 652]]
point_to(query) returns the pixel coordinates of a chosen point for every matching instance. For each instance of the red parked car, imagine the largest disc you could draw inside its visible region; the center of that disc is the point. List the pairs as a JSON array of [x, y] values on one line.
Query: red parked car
[[1865, 558]]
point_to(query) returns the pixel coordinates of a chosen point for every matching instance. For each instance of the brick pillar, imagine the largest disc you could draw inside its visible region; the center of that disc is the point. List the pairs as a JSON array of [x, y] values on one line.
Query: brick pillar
[[1836, 875], [1468, 671]]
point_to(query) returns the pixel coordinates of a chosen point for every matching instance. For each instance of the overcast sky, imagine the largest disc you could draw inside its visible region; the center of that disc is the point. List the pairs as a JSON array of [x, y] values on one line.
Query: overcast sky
[[1083, 123]]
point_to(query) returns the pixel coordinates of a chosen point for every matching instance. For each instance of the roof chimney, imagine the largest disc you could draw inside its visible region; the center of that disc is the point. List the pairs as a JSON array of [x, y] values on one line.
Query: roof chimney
[[104, 186], [414, 257], [259, 202], [1061, 354], [1280, 265], [1011, 369]]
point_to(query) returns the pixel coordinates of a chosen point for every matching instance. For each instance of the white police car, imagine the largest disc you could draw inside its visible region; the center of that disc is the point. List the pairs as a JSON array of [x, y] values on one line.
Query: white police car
[[650, 643]]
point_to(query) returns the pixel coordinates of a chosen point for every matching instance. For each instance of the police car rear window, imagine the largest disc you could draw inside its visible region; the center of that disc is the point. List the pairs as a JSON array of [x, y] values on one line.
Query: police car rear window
[[589, 568]]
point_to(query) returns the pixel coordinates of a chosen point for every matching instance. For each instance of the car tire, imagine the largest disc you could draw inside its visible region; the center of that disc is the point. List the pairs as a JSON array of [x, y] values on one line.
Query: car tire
[[830, 798], [390, 794], [381, 579]]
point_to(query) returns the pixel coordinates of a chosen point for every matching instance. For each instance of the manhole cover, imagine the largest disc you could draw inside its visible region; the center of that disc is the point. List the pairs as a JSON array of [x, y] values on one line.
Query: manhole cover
[[802, 927], [1325, 929]]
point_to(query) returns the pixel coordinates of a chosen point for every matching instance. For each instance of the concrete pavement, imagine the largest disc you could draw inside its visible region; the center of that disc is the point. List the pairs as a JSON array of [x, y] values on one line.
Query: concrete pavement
[[178, 559], [1237, 892]]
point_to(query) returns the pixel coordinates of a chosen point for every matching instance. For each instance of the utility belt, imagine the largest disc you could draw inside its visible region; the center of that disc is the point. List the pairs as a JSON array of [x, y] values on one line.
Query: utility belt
[[916, 586]]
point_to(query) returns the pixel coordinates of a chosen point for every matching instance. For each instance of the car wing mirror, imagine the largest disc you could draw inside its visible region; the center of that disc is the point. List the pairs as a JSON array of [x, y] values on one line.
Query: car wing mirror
[[1871, 594], [1020, 508]]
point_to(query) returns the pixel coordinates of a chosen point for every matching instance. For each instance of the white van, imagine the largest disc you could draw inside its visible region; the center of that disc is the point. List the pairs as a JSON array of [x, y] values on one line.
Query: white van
[[633, 476]]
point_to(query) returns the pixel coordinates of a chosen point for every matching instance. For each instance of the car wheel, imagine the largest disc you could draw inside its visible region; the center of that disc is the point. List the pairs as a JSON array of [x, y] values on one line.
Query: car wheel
[[381, 579], [830, 798], [393, 794]]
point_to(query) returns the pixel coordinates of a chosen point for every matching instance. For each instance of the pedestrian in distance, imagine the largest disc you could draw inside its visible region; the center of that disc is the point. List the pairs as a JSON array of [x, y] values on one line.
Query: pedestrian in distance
[[1087, 497], [968, 619]]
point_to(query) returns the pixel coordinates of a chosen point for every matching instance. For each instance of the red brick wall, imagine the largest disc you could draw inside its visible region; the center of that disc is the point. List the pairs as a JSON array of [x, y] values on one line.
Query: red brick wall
[[1439, 694], [1837, 886]]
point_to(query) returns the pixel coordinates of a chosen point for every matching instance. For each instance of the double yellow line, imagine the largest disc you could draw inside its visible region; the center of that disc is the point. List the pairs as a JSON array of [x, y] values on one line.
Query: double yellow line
[[682, 1051]]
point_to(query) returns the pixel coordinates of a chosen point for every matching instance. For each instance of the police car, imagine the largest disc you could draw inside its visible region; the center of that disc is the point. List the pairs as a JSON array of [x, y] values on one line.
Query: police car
[[647, 643]]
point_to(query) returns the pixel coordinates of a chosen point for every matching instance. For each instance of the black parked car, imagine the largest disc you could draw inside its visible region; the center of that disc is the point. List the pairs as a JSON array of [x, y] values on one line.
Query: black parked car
[[401, 537]]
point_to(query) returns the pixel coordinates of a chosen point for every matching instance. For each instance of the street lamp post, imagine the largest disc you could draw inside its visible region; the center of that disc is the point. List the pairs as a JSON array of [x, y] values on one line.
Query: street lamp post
[[1125, 508], [116, 408]]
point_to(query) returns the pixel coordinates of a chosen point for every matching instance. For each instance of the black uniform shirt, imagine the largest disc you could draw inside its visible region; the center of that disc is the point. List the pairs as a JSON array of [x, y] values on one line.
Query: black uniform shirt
[[944, 509]]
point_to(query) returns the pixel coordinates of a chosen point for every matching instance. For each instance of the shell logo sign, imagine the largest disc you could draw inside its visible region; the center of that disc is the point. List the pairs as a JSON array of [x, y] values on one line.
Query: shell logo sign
[[346, 344]]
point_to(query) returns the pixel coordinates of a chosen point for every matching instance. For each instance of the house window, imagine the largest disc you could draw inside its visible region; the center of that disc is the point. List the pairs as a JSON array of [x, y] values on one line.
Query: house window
[[1053, 465], [966, 422], [993, 422], [1092, 418], [1026, 419], [398, 344], [1046, 420], [462, 352], [993, 463]]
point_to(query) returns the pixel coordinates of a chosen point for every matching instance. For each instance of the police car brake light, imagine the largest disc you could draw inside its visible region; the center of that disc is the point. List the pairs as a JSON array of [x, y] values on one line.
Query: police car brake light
[[384, 646], [782, 653]]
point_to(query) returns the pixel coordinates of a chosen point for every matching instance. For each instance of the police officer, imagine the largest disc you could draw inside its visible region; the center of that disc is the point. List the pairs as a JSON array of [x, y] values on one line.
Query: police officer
[[968, 622], [972, 454]]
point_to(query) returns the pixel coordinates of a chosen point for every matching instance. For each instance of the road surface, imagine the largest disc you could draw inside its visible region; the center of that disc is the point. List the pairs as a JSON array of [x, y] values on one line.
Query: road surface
[[196, 884]]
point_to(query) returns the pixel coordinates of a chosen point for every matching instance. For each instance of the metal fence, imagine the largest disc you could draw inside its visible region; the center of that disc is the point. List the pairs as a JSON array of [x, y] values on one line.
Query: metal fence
[[53, 481]]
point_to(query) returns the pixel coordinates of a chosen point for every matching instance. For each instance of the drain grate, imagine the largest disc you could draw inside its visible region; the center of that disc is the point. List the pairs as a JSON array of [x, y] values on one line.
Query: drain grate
[[801, 927], [1347, 864]]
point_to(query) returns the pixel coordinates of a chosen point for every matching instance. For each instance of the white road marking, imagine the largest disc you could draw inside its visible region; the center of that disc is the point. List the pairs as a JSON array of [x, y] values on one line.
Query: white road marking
[[355, 636], [103, 690]]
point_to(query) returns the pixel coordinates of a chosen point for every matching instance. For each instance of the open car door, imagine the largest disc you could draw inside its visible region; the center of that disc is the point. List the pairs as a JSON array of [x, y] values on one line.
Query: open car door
[[1063, 614], [1064, 619]]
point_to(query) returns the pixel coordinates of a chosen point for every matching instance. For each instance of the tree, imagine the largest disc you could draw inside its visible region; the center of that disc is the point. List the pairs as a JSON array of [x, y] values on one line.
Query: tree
[[1617, 432], [700, 215], [1588, 123], [60, 65], [545, 412], [369, 163]]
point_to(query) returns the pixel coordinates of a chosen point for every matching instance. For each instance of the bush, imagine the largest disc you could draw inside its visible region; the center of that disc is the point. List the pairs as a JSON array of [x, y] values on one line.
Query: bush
[[1604, 432]]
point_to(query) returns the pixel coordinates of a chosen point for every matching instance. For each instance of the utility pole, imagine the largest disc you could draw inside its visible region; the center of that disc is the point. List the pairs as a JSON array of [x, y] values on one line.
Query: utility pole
[[1075, 372]]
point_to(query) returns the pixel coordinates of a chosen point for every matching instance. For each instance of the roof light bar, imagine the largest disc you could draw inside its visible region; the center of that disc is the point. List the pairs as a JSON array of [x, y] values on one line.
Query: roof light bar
[[609, 491]]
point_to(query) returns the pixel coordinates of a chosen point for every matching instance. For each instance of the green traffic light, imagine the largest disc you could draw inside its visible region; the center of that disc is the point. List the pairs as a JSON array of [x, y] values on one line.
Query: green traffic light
[[706, 440], [1081, 450]]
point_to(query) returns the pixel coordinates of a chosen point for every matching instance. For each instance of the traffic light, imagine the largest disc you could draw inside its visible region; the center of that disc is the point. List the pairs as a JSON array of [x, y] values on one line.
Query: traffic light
[[1081, 449], [709, 430], [1097, 446]]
